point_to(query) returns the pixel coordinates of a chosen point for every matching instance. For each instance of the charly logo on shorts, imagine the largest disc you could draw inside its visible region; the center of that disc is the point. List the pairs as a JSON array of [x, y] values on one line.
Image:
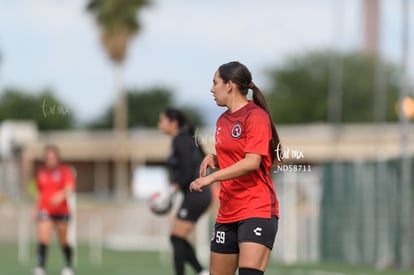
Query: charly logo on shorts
[[236, 131], [258, 231], [213, 234], [183, 213]]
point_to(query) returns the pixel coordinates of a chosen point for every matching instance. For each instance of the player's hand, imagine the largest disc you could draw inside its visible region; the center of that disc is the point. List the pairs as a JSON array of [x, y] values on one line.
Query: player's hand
[[57, 199], [198, 184], [209, 161]]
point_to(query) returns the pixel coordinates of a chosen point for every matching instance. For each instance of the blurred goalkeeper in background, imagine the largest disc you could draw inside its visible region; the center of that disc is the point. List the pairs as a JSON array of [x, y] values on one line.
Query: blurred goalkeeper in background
[[184, 162]]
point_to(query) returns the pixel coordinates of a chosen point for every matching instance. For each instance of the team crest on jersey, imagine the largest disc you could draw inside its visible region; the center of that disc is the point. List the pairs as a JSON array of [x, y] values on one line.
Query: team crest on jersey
[[236, 131], [56, 175]]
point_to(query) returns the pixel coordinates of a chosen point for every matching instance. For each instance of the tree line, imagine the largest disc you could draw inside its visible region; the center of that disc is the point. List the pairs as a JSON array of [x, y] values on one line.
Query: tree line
[[50, 112], [297, 93]]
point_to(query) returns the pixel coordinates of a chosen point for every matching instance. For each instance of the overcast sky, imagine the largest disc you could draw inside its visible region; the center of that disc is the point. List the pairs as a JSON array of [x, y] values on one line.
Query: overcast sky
[[55, 43]]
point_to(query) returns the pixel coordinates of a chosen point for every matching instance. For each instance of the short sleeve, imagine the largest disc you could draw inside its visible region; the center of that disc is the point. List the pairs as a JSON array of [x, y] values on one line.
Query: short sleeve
[[258, 133]]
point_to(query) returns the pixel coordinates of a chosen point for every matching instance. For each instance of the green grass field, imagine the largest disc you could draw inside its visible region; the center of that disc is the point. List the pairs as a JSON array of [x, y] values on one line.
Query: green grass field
[[129, 263]]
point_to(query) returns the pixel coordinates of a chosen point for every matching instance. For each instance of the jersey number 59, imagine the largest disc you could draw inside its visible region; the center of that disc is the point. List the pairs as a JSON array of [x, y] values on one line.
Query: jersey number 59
[[220, 237]]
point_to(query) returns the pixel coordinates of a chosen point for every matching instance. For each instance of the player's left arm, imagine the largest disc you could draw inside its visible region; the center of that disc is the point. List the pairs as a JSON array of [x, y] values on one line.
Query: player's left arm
[[68, 188], [60, 196]]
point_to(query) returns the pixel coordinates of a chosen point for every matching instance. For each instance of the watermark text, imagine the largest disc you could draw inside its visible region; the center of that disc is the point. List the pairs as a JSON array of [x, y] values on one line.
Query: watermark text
[[53, 109]]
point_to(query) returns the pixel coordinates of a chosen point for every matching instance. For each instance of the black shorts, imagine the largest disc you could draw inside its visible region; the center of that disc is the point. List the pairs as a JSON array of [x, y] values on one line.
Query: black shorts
[[194, 205], [43, 215], [226, 237]]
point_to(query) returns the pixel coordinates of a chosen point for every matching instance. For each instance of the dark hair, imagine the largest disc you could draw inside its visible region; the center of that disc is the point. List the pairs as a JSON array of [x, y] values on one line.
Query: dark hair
[[240, 75], [183, 122]]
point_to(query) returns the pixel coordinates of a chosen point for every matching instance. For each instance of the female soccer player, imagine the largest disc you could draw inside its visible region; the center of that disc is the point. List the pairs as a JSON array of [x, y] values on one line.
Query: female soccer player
[[246, 142], [55, 182], [184, 162]]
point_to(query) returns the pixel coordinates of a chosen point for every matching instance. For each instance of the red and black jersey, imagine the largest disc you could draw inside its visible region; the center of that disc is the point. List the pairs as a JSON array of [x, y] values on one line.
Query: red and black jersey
[[248, 130], [49, 182]]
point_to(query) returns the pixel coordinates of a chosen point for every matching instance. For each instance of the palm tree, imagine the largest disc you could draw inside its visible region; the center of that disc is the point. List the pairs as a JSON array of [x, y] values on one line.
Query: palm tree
[[118, 22]]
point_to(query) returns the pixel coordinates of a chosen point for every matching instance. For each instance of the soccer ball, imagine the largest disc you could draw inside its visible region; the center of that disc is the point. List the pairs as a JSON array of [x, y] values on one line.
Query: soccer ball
[[160, 203]]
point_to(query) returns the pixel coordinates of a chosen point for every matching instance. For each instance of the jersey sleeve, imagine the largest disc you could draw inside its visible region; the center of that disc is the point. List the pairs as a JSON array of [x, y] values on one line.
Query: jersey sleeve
[[258, 133]]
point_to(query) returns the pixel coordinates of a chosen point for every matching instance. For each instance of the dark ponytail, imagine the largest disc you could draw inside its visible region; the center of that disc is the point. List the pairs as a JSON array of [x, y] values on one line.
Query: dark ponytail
[[241, 76], [260, 100]]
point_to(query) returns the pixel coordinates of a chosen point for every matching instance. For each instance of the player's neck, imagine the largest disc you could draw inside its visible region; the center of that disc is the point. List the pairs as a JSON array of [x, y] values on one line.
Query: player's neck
[[236, 104], [51, 168]]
